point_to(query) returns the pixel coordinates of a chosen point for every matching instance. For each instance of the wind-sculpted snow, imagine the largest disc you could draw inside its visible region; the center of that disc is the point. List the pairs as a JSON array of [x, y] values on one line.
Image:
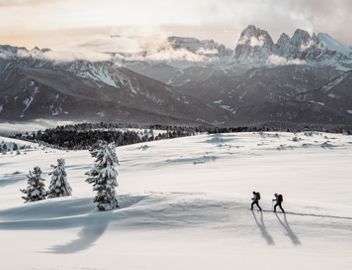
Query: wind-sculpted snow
[[184, 204]]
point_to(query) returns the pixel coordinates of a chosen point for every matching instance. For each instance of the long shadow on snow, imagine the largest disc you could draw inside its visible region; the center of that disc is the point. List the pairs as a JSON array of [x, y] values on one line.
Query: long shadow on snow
[[69, 213], [288, 229], [80, 213], [48, 209], [265, 234], [11, 178], [87, 236]]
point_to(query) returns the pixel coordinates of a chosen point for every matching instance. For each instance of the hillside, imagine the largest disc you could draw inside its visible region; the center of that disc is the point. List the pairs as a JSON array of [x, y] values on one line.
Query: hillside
[[185, 205]]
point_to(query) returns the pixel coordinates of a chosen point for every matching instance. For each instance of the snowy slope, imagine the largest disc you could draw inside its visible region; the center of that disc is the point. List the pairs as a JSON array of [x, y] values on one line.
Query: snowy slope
[[184, 205], [333, 44]]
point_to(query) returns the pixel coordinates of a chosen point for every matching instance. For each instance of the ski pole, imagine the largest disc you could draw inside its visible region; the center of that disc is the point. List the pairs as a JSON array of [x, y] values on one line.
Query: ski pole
[[272, 205]]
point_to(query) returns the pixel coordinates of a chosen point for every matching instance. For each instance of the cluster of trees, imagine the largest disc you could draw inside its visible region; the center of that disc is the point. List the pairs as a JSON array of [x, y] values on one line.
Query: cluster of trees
[[83, 136], [10, 147], [284, 127], [102, 175], [59, 187]]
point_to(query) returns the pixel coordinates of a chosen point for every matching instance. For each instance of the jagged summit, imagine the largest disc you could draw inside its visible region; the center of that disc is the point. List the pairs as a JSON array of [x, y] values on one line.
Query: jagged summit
[[255, 46], [255, 37], [301, 37], [283, 39]]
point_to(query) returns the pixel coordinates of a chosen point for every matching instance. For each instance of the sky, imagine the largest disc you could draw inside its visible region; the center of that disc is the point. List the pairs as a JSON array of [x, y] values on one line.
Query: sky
[[128, 25]]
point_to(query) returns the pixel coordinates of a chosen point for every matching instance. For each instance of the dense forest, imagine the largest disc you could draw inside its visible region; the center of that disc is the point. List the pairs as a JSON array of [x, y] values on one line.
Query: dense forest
[[84, 135]]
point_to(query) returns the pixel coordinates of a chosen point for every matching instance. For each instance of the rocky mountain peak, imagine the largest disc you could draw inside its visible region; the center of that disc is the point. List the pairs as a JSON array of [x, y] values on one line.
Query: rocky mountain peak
[[255, 37], [283, 39], [254, 45], [301, 38]]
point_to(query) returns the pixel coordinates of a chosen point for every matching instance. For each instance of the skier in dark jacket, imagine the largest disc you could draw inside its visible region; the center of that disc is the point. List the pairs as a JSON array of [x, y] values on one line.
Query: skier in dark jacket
[[278, 199], [255, 199]]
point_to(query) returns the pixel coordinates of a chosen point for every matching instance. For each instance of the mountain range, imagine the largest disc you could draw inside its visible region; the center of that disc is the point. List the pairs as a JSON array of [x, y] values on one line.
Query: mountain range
[[305, 78]]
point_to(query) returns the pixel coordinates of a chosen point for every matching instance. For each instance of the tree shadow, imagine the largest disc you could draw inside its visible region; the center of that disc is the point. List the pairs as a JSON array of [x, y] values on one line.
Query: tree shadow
[[11, 178], [94, 227], [265, 234], [87, 236], [70, 213], [288, 229]]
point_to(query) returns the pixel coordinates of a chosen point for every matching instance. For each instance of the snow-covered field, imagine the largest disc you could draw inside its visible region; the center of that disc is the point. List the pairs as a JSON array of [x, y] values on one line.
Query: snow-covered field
[[185, 205]]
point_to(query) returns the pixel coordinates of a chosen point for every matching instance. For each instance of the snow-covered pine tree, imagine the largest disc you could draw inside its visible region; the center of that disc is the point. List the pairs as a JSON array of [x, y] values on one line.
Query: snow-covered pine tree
[[35, 190], [59, 187], [103, 175]]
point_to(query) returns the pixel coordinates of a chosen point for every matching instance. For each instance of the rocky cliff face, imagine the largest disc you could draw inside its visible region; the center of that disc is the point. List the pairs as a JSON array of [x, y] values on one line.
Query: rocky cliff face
[[255, 46]]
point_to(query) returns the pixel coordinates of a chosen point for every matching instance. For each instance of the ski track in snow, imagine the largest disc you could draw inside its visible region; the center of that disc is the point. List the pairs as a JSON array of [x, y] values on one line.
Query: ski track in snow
[[184, 204]]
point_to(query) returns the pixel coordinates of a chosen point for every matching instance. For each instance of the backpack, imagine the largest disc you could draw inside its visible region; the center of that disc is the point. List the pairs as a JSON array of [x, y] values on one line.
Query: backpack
[[280, 198], [257, 196]]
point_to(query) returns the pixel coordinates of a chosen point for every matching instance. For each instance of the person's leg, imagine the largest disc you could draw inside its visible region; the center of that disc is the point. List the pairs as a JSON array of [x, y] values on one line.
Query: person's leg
[[252, 205], [283, 211], [259, 206], [275, 207]]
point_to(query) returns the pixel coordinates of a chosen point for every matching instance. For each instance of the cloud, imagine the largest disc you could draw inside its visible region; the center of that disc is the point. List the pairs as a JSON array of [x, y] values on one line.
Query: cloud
[[11, 128], [22, 3], [4, 3], [143, 46], [45, 23], [307, 45], [277, 60], [67, 55], [132, 43], [252, 41], [287, 16], [170, 54], [204, 51], [157, 47]]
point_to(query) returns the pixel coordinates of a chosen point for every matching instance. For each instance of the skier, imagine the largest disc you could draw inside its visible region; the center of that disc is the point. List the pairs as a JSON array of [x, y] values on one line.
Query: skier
[[255, 199], [278, 199]]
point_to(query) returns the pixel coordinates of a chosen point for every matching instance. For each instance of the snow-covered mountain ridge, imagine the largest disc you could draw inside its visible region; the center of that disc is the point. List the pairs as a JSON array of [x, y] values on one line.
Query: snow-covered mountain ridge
[[303, 78], [255, 46]]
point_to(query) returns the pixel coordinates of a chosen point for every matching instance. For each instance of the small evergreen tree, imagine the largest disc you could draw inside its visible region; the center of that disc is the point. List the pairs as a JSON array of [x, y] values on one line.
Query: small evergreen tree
[[35, 190], [59, 187], [103, 175]]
